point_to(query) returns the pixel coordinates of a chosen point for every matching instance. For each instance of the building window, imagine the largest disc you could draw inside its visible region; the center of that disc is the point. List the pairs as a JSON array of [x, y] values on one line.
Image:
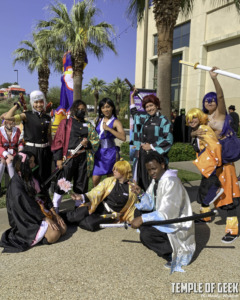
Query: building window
[[175, 80], [155, 63], [155, 37], [181, 36]]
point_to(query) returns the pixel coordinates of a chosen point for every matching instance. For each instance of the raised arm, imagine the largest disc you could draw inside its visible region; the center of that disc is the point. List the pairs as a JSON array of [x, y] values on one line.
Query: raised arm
[[221, 108], [10, 115]]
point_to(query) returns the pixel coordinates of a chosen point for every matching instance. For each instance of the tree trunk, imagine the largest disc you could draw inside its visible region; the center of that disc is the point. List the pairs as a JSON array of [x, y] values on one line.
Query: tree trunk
[[164, 83], [78, 63], [43, 80], [96, 96], [165, 14], [77, 85]]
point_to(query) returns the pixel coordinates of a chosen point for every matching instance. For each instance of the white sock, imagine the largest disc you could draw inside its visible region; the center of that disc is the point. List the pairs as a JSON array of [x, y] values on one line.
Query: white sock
[[10, 170], [57, 199]]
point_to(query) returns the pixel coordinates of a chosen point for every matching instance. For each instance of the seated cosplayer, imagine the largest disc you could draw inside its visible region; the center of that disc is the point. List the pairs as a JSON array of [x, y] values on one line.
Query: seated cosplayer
[[165, 198], [110, 201], [30, 211]]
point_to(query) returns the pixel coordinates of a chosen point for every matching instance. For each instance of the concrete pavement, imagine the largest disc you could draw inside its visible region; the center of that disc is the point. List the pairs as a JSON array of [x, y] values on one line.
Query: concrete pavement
[[113, 264]]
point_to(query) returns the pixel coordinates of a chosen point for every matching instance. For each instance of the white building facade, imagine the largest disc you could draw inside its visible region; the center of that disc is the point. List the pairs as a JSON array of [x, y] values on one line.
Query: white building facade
[[210, 35]]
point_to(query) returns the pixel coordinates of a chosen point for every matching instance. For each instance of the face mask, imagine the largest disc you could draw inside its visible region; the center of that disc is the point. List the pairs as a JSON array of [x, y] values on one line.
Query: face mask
[[80, 114]]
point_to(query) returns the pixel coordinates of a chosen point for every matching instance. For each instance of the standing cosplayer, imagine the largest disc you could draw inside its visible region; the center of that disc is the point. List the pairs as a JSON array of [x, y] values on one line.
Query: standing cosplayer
[[108, 128], [214, 106], [30, 212], [71, 132], [152, 132], [36, 130], [10, 144], [166, 198]]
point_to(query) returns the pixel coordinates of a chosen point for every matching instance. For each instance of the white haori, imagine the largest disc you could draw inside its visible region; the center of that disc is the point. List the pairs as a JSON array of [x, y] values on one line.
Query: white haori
[[172, 201]]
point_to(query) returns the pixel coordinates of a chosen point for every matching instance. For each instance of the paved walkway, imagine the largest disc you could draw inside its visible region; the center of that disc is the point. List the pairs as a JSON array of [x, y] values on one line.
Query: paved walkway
[[113, 264]]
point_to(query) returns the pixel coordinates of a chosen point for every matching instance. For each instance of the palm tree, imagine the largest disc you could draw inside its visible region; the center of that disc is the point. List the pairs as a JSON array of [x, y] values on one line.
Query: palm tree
[[96, 86], [118, 87], [39, 55], [165, 13], [80, 34]]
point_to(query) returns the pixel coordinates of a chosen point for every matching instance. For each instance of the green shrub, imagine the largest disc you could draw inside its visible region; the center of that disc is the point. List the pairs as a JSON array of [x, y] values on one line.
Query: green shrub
[[125, 122], [238, 133], [124, 148], [181, 152]]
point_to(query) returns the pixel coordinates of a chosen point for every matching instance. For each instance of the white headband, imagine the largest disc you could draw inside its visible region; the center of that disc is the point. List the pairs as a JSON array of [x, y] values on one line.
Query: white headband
[[36, 96]]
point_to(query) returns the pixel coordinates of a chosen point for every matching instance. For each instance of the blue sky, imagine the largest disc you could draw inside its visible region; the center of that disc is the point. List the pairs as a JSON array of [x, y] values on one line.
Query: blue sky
[[18, 19]]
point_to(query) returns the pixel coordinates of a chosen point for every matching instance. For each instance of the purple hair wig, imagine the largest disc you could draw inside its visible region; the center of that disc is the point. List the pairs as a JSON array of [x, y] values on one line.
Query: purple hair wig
[[209, 97]]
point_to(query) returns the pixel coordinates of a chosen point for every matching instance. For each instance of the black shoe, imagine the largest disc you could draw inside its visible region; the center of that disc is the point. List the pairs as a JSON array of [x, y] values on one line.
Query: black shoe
[[168, 265], [229, 238], [44, 241]]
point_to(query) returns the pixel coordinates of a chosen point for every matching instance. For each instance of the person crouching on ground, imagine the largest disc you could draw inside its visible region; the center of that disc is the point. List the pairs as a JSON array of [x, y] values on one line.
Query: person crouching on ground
[[30, 212], [165, 198], [112, 196]]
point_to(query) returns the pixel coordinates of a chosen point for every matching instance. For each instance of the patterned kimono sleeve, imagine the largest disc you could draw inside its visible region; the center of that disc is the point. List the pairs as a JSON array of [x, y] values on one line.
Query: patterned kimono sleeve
[[129, 208], [210, 156], [165, 140], [98, 193], [93, 137]]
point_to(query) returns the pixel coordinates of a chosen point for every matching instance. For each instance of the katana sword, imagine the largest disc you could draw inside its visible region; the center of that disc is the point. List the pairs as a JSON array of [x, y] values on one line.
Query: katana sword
[[116, 225], [206, 68], [211, 213], [132, 88], [57, 170]]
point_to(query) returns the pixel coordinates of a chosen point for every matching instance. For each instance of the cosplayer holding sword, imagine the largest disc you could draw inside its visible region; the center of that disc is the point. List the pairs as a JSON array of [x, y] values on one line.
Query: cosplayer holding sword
[[165, 198]]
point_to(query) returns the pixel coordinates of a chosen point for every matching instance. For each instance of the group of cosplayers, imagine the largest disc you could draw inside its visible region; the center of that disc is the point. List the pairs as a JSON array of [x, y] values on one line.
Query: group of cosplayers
[[148, 193], [38, 147]]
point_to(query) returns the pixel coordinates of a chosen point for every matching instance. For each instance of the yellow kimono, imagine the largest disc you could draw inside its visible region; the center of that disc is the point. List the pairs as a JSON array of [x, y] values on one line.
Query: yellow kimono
[[210, 156], [210, 159], [102, 190]]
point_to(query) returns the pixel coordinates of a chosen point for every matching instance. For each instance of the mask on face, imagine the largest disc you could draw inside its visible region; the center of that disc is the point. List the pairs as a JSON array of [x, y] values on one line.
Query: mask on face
[[80, 114]]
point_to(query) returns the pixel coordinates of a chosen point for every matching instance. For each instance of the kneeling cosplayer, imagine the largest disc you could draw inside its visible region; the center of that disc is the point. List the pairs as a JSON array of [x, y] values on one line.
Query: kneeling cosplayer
[[110, 201]]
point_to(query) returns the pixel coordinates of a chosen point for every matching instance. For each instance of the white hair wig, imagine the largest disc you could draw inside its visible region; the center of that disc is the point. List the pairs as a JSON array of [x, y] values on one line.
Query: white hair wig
[[36, 96]]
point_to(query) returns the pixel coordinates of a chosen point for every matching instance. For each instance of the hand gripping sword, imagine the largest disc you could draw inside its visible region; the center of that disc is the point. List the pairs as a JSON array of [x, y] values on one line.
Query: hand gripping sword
[[57, 170]]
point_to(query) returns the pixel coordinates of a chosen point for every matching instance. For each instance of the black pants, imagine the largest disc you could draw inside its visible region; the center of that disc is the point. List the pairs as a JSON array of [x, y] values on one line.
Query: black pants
[[143, 178], [76, 169], [81, 217], [154, 239]]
